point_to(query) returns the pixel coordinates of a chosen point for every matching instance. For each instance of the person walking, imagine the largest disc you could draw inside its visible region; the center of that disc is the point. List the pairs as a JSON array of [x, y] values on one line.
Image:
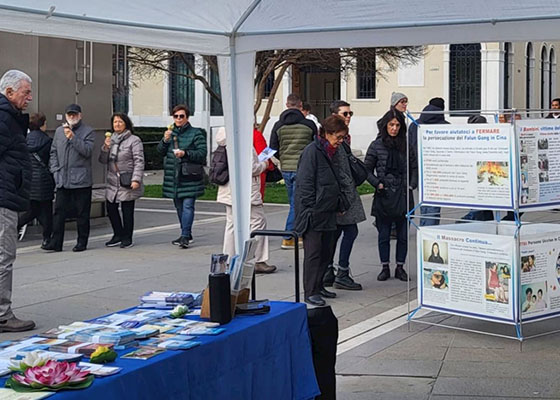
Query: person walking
[[70, 164], [41, 192], [184, 149], [123, 153], [258, 218], [386, 159], [318, 199], [15, 95], [347, 223], [289, 136]]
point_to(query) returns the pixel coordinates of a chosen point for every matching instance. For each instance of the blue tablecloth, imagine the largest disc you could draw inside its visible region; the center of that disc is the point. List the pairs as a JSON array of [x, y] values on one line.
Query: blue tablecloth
[[257, 357]]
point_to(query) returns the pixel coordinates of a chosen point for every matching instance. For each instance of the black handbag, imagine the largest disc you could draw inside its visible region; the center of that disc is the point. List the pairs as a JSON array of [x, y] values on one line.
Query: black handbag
[[274, 175], [191, 171], [125, 179], [357, 166], [389, 203]]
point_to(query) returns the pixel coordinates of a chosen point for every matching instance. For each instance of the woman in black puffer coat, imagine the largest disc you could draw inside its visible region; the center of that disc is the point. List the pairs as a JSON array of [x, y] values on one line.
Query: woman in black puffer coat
[[386, 159], [41, 192]]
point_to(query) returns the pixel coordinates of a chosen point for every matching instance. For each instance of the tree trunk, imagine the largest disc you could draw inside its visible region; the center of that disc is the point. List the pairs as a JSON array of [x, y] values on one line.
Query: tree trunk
[[270, 102]]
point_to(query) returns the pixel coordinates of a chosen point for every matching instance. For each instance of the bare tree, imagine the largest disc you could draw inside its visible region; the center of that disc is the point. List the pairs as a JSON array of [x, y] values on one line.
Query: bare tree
[[146, 62]]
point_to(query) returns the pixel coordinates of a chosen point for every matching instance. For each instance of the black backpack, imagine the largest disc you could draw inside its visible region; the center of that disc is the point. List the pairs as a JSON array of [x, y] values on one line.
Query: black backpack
[[219, 173]]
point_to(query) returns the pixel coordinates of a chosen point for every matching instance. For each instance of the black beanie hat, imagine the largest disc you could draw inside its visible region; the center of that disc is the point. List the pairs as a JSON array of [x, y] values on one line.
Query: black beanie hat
[[438, 102]]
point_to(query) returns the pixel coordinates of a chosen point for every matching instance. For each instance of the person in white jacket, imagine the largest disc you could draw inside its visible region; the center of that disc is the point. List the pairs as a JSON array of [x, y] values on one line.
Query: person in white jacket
[[258, 219]]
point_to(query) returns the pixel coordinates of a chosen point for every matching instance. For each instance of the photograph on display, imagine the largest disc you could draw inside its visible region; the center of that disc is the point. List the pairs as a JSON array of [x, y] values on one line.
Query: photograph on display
[[436, 279], [498, 276], [435, 252], [492, 173], [534, 297], [543, 162], [527, 263], [543, 144]]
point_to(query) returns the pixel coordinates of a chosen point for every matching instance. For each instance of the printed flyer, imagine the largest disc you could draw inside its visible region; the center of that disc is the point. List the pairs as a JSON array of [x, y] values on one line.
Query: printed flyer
[[466, 273], [540, 273], [539, 161], [467, 165]]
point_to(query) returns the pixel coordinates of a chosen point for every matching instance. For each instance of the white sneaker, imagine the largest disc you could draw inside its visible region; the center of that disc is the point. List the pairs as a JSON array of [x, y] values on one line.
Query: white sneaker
[[21, 233]]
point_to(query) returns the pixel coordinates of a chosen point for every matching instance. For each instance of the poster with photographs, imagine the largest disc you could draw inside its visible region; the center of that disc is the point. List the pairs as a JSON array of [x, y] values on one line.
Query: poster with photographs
[[539, 162], [468, 165], [540, 272], [466, 273]]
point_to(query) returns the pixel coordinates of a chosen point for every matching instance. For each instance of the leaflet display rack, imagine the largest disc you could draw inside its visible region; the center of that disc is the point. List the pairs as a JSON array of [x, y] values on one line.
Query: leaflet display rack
[[506, 272]]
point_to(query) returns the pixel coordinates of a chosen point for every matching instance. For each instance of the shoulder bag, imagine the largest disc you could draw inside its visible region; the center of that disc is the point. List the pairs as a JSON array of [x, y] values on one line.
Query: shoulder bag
[[188, 170], [357, 166]]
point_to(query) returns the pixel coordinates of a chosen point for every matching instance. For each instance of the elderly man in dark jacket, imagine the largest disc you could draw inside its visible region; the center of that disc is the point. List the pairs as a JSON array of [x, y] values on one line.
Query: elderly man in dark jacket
[[41, 192], [70, 164], [15, 95]]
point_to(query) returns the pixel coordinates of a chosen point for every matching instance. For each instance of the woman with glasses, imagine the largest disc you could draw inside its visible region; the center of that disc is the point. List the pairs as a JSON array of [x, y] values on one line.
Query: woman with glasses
[[318, 200], [386, 159], [184, 151]]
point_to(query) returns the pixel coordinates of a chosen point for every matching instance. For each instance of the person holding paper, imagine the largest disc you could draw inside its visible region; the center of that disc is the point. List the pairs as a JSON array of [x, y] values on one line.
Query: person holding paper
[[386, 159], [258, 218]]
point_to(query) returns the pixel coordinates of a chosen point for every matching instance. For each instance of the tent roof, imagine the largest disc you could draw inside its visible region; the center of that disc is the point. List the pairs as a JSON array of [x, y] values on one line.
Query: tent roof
[[203, 26]]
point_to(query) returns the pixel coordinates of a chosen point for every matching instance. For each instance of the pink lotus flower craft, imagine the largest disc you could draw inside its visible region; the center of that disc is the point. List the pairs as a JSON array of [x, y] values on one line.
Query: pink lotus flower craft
[[53, 374]]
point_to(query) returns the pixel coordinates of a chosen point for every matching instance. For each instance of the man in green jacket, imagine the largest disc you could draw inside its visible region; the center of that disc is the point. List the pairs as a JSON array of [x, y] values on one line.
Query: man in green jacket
[[184, 149]]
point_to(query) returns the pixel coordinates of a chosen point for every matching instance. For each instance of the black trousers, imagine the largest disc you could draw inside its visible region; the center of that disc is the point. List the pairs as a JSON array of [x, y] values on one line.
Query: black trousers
[[71, 202], [122, 228], [43, 211], [318, 249]]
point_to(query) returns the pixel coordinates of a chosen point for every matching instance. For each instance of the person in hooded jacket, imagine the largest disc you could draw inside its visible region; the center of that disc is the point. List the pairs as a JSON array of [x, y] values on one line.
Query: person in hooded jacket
[[258, 218], [289, 136], [431, 114], [386, 159], [318, 201], [41, 193], [122, 152]]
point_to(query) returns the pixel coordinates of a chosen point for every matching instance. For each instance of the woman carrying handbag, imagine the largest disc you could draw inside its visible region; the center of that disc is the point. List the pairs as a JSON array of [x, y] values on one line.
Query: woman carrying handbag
[[123, 152]]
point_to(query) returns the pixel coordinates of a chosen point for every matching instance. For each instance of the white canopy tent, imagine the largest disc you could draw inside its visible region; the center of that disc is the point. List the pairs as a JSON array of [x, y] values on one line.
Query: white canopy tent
[[235, 29]]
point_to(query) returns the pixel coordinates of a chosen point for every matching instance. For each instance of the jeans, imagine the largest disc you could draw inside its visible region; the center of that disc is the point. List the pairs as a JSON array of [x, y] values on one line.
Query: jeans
[[433, 214], [8, 241], [346, 244], [121, 228], [290, 180], [185, 212], [479, 215], [384, 239]]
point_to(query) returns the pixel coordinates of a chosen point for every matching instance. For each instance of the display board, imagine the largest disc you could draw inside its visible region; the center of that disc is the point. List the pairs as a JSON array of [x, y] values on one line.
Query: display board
[[469, 273], [469, 166], [539, 163]]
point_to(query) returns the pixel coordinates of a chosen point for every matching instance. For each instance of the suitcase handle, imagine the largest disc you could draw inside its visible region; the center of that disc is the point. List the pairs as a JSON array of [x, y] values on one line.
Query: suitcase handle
[[277, 233]]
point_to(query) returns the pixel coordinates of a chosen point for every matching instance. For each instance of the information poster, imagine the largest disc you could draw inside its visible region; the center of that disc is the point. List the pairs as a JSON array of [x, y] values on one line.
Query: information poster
[[467, 165], [540, 275], [539, 161], [467, 273]]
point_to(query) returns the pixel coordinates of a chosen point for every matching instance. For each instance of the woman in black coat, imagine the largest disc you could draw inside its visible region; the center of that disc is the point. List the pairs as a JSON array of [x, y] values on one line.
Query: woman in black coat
[[41, 191], [386, 158], [318, 200]]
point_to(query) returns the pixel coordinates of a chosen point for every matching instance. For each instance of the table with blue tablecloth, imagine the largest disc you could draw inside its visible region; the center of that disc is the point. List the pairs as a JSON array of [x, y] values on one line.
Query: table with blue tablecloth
[[257, 357]]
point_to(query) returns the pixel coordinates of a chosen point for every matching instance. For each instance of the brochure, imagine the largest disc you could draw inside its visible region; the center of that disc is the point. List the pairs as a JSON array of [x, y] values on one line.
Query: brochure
[[266, 154], [99, 370], [144, 353]]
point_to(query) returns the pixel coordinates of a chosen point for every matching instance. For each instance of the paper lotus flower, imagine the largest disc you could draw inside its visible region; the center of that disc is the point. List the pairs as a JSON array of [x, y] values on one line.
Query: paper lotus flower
[[31, 359], [179, 311], [102, 354], [54, 375]]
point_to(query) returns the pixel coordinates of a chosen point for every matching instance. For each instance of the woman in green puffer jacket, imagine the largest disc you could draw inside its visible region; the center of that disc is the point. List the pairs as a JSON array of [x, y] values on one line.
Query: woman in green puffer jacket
[[184, 149]]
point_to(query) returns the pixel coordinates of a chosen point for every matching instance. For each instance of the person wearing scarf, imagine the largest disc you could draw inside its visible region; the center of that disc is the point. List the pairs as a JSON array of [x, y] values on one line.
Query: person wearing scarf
[[123, 152], [386, 159], [318, 200]]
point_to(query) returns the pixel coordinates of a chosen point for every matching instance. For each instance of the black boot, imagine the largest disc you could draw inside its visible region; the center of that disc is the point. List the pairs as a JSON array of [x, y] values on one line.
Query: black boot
[[400, 273], [343, 280], [385, 273], [328, 278]]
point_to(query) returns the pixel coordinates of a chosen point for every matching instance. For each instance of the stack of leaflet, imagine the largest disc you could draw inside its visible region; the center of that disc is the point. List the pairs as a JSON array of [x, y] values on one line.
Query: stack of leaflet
[[78, 347], [105, 334], [166, 299]]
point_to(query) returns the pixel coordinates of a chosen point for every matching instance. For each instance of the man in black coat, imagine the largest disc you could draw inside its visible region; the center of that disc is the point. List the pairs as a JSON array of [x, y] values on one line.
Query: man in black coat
[[15, 95]]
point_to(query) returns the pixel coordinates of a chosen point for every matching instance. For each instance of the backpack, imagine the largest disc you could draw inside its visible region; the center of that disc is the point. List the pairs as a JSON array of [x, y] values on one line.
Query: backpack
[[219, 173]]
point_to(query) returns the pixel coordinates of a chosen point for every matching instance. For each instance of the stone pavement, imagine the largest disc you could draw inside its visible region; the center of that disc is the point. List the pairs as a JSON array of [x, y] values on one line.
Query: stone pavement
[[382, 358]]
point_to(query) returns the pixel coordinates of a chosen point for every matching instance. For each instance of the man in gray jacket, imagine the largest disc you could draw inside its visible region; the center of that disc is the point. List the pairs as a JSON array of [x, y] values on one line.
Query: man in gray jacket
[[70, 164]]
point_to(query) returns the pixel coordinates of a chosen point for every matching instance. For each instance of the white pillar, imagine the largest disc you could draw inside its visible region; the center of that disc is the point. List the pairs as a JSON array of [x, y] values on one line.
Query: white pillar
[[492, 79], [236, 80]]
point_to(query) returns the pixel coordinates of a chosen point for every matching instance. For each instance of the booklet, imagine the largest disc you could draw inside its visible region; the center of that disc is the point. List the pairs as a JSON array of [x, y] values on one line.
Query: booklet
[[144, 353], [99, 370], [266, 154], [10, 394]]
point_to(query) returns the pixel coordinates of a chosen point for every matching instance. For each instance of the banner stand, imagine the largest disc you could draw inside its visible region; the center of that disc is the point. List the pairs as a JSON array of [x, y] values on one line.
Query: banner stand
[[497, 271]]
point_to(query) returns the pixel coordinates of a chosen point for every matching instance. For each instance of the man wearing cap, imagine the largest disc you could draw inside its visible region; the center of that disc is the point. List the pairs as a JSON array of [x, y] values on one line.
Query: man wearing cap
[[70, 164]]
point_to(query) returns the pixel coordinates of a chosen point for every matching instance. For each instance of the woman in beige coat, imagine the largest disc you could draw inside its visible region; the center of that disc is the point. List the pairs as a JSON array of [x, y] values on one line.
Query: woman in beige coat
[[123, 152], [258, 219]]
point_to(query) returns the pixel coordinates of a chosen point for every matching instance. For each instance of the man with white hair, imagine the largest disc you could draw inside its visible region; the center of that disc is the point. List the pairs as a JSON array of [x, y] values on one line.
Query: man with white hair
[[15, 164]]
